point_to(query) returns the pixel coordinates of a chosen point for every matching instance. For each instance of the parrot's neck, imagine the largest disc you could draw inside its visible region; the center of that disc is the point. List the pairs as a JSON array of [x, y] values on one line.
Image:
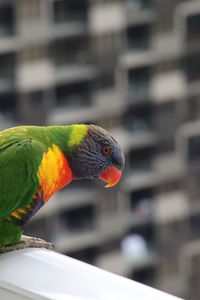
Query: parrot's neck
[[67, 137]]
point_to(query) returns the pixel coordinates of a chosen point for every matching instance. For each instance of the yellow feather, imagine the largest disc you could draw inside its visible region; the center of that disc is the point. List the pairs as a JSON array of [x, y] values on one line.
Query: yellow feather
[[78, 133], [16, 215]]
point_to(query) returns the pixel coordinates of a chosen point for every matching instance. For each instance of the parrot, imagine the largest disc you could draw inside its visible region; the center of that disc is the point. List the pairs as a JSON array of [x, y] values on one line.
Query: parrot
[[37, 161]]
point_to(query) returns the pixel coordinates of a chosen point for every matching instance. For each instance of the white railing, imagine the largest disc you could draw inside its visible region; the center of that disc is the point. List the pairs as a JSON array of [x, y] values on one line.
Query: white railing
[[43, 274]]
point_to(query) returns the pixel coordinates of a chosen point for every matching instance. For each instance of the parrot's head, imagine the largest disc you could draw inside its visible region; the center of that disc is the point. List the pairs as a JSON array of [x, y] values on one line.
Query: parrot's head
[[98, 155]]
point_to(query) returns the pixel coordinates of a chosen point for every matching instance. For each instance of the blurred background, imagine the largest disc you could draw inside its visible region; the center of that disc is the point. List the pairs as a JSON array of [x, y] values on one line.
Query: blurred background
[[133, 67]]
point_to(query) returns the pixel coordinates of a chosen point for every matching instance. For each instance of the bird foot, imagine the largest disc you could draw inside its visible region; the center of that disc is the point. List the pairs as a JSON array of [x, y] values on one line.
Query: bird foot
[[28, 242]]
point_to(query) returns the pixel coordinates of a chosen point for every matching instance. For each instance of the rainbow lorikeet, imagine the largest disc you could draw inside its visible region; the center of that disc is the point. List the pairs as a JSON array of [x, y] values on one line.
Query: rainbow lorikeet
[[37, 161]]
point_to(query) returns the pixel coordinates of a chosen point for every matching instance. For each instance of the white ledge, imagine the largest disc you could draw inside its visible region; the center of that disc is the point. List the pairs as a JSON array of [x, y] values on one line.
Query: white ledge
[[43, 274]]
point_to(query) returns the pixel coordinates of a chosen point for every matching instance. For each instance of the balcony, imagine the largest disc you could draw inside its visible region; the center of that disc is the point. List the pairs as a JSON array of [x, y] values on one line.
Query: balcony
[[66, 242], [134, 58], [112, 225], [64, 115], [112, 14], [135, 181], [34, 75], [168, 167], [160, 42], [108, 100], [171, 207], [167, 86]]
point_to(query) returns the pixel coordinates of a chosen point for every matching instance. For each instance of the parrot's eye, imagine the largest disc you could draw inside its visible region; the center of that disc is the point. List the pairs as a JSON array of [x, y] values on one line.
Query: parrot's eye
[[106, 151]]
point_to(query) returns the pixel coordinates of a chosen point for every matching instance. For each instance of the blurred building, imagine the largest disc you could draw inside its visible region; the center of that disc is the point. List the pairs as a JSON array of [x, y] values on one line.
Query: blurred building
[[133, 67]]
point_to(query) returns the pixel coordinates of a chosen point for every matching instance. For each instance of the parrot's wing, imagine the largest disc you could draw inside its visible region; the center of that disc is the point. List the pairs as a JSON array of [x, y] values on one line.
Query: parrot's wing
[[19, 162]]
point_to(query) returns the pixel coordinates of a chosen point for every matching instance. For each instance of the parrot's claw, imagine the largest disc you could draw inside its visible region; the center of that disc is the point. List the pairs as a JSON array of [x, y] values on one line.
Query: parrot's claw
[[28, 242]]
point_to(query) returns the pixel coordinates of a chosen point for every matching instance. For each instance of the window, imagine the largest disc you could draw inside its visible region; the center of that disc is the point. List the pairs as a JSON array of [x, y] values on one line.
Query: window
[[193, 148], [191, 66], [141, 206], [139, 83], [7, 63], [8, 105], [70, 51], [69, 10], [138, 119], [194, 225], [193, 111], [73, 96], [7, 21], [193, 27], [138, 37], [79, 219], [141, 160]]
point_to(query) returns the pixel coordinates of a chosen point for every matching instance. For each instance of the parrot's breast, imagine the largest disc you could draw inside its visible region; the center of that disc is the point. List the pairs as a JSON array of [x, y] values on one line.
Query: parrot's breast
[[54, 172]]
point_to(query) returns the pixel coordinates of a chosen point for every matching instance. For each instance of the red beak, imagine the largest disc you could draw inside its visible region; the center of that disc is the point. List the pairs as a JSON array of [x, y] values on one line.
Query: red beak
[[111, 175]]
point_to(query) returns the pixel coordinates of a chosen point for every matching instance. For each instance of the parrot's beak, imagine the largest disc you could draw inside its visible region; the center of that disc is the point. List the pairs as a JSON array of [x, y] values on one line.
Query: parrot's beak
[[111, 175]]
